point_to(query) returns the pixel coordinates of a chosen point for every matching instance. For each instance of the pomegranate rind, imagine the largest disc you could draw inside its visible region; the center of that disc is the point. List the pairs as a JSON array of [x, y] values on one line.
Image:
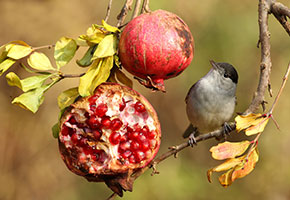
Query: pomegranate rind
[[114, 170], [156, 45]]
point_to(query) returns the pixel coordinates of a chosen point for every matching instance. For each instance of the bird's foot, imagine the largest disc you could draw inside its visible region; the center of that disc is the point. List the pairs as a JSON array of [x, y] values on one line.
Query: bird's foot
[[192, 140], [227, 129]]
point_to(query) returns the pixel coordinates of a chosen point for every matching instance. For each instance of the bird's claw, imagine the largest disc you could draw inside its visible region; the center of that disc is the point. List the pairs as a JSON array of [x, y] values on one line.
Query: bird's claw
[[192, 140], [227, 129]]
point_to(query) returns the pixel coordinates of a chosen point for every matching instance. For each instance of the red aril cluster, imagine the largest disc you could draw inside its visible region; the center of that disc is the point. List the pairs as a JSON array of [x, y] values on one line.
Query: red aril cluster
[[109, 133]]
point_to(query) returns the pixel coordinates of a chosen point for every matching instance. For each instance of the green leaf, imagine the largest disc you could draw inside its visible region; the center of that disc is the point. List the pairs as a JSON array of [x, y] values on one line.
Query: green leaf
[[5, 65], [103, 74], [107, 47], [86, 60], [19, 51], [64, 51], [32, 99], [67, 97], [87, 79], [39, 61], [109, 27], [55, 130]]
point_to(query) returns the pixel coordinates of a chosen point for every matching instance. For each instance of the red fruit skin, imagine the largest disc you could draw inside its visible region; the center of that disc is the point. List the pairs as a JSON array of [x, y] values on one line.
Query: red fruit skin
[[156, 45]]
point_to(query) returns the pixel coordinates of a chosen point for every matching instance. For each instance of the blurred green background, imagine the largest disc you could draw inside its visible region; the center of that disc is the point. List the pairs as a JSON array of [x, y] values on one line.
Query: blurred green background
[[224, 30]]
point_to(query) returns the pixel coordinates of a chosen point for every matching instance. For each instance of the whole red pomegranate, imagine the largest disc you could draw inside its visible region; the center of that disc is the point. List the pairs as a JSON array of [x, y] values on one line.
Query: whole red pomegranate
[[156, 46], [107, 136]]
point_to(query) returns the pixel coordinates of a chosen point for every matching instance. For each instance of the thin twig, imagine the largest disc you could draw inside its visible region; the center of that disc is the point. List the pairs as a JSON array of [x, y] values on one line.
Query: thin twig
[[71, 75], [121, 17], [50, 46], [108, 10], [285, 78], [136, 9], [145, 7]]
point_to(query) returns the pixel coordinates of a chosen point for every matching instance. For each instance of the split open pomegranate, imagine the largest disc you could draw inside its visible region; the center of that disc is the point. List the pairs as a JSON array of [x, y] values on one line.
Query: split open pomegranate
[[110, 134]]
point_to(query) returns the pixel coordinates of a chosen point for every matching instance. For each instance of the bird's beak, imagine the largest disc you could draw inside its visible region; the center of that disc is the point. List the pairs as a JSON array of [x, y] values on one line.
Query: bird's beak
[[214, 65]]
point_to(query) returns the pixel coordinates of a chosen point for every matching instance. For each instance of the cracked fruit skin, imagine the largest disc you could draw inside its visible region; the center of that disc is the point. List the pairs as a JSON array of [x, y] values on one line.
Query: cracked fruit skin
[[109, 135], [156, 46]]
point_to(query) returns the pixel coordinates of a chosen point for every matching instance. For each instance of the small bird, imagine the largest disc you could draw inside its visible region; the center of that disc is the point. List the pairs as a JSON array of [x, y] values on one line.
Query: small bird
[[211, 101]]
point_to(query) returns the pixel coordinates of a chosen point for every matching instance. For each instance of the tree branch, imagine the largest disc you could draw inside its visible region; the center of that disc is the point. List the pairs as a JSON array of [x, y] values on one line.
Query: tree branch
[[265, 64], [121, 17], [145, 7], [281, 13]]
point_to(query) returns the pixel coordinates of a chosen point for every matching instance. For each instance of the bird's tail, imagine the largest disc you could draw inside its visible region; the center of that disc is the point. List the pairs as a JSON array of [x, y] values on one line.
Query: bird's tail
[[190, 129]]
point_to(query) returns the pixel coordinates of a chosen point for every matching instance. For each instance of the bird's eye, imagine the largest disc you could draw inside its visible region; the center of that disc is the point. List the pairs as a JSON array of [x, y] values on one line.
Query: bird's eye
[[226, 75]]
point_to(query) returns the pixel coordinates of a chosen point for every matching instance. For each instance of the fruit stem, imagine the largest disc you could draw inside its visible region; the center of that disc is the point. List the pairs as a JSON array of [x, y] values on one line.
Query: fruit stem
[[145, 7]]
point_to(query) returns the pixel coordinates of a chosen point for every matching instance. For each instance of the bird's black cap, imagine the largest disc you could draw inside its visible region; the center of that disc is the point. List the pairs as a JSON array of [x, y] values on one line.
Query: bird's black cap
[[229, 70]]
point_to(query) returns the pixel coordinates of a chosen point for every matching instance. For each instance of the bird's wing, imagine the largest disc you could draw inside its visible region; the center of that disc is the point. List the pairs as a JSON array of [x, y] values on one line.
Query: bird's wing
[[186, 98], [190, 129]]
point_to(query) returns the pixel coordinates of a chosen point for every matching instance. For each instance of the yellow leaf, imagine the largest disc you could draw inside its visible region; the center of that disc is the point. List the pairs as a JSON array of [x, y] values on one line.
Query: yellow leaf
[[87, 79], [19, 51], [5, 65], [39, 61], [228, 164], [94, 35], [110, 28], [227, 150], [107, 47], [251, 123], [123, 78], [13, 80], [242, 170], [226, 178], [103, 74], [67, 97], [64, 51]]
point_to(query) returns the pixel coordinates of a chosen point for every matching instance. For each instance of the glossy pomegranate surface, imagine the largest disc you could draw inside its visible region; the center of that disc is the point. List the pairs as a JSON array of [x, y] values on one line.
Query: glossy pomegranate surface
[[156, 46]]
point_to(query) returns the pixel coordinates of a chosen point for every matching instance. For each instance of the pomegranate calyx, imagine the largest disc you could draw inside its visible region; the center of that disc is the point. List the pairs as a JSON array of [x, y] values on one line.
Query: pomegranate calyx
[[156, 84]]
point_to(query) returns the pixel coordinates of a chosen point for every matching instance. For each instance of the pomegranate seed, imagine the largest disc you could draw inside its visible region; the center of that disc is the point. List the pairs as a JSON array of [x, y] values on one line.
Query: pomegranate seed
[[88, 150], [145, 146], [72, 120], [129, 129], [139, 107], [83, 142], [132, 159], [116, 124], [137, 127], [152, 144], [94, 157], [65, 130], [97, 133], [101, 109], [122, 105], [93, 122], [126, 154], [142, 139], [145, 130], [151, 134], [135, 145], [106, 122], [74, 138], [92, 99], [148, 154], [139, 156], [115, 138], [134, 135], [124, 146], [123, 138]]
